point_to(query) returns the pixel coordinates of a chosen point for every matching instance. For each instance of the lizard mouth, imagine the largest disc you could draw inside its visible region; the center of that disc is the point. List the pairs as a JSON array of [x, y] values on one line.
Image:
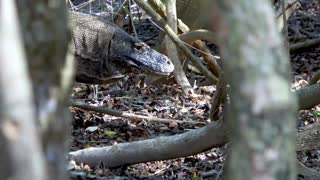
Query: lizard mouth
[[147, 70], [148, 67], [154, 73]]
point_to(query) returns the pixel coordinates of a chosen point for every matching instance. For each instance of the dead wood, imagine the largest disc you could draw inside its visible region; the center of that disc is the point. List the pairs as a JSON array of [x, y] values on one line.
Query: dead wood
[[308, 96], [315, 78], [306, 172], [308, 138], [129, 116], [161, 148], [305, 44]]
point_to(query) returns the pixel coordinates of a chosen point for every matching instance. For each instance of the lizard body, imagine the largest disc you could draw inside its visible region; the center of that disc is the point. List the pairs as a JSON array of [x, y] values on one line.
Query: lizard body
[[104, 52]]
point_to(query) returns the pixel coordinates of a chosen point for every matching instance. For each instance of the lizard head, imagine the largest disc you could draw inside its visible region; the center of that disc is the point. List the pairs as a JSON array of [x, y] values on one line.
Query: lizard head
[[133, 53]]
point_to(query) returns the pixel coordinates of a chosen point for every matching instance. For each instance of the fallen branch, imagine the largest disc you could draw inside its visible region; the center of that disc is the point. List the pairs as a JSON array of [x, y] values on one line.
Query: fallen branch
[[306, 172], [132, 117], [305, 44], [308, 138], [160, 148], [315, 78], [176, 146], [308, 96]]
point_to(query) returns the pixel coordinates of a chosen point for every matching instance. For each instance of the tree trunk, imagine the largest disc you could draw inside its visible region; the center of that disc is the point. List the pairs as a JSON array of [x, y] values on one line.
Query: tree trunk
[[261, 106], [21, 155], [46, 36]]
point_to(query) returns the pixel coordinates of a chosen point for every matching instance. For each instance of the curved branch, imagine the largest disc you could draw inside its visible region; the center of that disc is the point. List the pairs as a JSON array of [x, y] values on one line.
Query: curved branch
[[306, 44], [315, 78], [161, 148], [200, 34], [195, 60], [308, 96], [308, 138], [306, 172]]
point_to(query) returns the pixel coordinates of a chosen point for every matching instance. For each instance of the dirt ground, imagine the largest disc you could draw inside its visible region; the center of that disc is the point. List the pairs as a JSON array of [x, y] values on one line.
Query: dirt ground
[[135, 95]]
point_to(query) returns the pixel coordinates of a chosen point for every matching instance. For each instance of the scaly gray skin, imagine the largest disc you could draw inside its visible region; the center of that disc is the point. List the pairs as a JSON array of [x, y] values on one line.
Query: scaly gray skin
[[104, 52]]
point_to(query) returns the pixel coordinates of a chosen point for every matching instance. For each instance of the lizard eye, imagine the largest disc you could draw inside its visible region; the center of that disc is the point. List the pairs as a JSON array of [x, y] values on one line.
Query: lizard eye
[[139, 45]]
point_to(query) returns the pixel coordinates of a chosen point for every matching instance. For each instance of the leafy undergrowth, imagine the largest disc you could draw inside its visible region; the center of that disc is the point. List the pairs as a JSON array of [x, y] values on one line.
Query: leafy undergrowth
[[134, 95]]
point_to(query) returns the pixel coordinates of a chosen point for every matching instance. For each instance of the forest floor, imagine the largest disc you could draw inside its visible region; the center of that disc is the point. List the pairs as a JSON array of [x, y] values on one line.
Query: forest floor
[[135, 95]]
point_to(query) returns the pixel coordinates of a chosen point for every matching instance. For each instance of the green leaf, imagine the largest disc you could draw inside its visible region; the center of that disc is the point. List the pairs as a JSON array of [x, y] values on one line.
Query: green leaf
[[195, 175], [109, 133], [315, 113]]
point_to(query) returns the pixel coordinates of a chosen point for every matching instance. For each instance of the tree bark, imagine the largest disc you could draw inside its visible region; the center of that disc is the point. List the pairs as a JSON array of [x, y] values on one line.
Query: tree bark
[[160, 148], [178, 72], [262, 107], [46, 36], [308, 96], [20, 153]]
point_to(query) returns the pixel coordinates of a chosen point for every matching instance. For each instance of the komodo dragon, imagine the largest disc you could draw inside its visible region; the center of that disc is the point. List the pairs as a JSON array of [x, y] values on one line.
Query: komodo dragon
[[104, 52]]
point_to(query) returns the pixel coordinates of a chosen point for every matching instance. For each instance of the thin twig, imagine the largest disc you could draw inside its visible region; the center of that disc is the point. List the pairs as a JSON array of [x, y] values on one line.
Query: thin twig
[[119, 11], [129, 116], [131, 19], [82, 5]]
